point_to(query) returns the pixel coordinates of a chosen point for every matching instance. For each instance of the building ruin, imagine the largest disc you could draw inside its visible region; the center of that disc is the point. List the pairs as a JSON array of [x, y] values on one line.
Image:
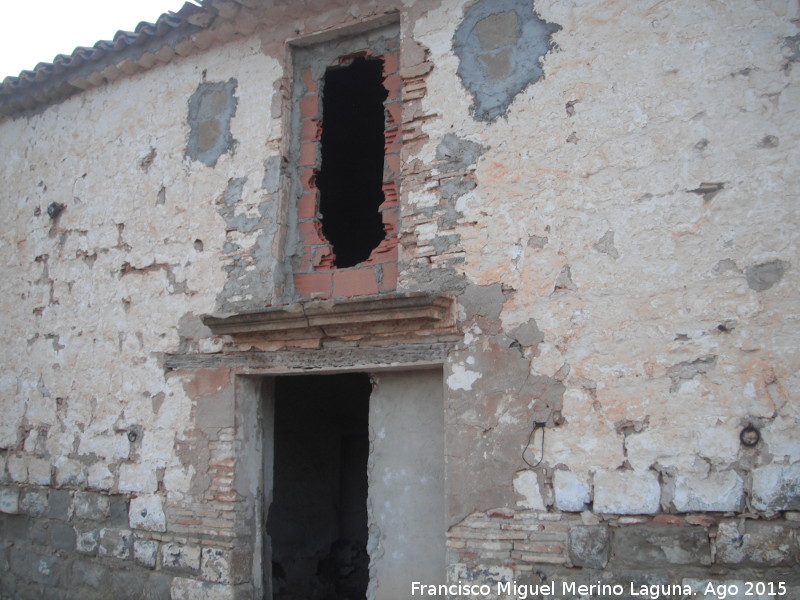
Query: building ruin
[[321, 299]]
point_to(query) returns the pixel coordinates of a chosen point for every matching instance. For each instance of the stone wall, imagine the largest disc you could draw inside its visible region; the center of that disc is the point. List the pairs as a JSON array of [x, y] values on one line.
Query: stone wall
[[606, 189]]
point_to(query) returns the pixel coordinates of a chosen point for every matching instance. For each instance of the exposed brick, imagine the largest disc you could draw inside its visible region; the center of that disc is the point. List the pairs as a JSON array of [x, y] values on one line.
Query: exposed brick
[[307, 206], [355, 282], [309, 106], [394, 113], [390, 63], [323, 258], [308, 154], [308, 178], [393, 83], [390, 194], [311, 130], [392, 165], [389, 281], [309, 81], [392, 140], [311, 233], [313, 285]]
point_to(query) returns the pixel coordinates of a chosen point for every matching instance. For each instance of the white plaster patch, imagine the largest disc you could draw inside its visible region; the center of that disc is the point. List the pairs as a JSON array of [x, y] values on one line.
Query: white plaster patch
[[147, 512], [461, 378]]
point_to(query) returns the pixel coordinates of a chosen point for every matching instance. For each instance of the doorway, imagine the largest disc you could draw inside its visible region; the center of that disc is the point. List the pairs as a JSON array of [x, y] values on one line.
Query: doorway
[[352, 487], [317, 522]]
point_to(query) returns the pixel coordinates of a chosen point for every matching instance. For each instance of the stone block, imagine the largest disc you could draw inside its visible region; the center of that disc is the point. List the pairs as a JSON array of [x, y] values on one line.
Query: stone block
[[9, 499], [192, 589], [69, 473], [17, 468], [99, 476], [137, 478], [215, 565], [91, 506], [657, 544], [86, 574], [572, 494], [755, 543], [119, 512], [62, 536], [39, 471], [145, 553], [147, 512], [86, 541], [526, 484], [46, 570], [717, 492], [39, 532], [626, 492], [33, 502], [158, 586], [180, 557], [776, 487], [115, 543], [60, 505], [589, 546]]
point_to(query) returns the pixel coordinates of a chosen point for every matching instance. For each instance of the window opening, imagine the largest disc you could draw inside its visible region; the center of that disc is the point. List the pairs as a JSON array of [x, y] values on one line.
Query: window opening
[[318, 517], [350, 178]]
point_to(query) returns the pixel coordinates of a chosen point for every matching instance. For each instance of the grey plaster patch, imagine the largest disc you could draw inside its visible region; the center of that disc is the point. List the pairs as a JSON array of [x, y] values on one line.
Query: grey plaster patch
[[564, 281], [211, 108], [500, 44], [537, 241], [228, 203], [483, 304], [605, 245], [528, 334], [689, 370], [248, 271], [455, 187], [547, 396], [456, 154], [272, 175], [763, 276]]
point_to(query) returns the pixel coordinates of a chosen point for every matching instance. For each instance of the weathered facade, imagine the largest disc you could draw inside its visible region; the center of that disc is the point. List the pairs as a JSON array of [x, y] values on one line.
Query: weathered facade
[[225, 374]]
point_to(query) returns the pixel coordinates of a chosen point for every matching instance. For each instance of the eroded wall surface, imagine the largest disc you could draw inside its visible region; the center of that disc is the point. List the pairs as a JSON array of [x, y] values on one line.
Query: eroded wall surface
[[608, 189]]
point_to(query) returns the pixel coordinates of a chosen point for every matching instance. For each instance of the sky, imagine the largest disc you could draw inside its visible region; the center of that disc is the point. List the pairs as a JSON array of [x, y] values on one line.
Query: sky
[[34, 31]]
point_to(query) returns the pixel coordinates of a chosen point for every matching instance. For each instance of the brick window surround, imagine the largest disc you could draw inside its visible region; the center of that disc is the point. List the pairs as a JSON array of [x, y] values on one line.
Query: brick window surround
[[315, 275]]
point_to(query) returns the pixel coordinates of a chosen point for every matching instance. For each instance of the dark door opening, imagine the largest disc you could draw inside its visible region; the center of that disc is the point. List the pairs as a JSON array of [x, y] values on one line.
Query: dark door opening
[[318, 517], [350, 179]]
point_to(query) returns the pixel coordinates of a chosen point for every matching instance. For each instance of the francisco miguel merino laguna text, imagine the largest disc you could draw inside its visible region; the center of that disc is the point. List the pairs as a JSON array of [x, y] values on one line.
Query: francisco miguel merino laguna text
[[523, 591]]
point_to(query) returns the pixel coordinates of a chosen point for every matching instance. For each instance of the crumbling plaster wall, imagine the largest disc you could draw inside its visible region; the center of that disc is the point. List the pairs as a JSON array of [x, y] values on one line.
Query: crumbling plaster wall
[[620, 235], [94, 297], [608, 259]]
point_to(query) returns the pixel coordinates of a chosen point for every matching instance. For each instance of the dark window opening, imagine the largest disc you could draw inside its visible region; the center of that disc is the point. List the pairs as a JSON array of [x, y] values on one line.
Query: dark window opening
[[318, 518], [350, 178]]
